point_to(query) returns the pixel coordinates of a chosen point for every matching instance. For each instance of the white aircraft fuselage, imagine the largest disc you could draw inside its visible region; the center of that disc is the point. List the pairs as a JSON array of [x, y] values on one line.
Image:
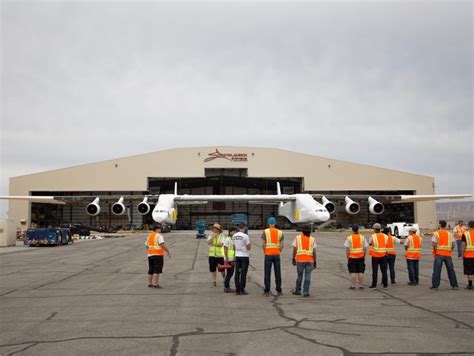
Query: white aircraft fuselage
[[304, 209]]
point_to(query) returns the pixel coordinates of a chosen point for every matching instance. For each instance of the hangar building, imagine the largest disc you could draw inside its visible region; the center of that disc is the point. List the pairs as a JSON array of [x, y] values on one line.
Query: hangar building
[[217, 170]]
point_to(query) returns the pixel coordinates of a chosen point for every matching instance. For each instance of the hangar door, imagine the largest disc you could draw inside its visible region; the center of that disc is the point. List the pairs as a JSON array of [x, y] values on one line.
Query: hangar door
[[225, 181]]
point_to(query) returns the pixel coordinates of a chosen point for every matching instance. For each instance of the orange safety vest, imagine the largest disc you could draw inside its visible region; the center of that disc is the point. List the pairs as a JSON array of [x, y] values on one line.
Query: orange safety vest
[[469, 250], [272, 241], [445, 241], [154, 248], [391, 245], [304, 248], [414, 247], [378, 246], [460, 230], [356, 246]]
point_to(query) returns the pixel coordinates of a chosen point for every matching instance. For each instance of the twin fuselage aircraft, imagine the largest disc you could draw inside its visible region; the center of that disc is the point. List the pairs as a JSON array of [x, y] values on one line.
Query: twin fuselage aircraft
[[297, 208]]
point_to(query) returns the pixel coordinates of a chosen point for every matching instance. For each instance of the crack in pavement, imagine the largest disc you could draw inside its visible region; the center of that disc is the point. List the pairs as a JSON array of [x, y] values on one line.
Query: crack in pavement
[[418, 306], [193, 264], [94, 264], [52, 316], [23, 349]]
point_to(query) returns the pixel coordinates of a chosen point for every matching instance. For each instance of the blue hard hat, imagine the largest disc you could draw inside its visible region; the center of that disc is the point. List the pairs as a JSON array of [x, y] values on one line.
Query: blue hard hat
[[271, 220]]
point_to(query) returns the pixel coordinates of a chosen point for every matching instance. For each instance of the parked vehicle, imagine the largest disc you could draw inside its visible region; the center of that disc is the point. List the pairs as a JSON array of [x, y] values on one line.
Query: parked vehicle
[[201, 229], [77, 229], [402, 229], [49, 236]]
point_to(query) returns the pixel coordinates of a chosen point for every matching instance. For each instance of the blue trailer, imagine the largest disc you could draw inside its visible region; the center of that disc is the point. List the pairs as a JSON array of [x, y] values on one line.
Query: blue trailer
[[48, 237], [201, 229], [237, 219]]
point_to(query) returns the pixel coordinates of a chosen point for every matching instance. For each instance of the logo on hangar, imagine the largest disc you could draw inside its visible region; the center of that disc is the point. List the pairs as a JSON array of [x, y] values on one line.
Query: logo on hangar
[[236, 157]]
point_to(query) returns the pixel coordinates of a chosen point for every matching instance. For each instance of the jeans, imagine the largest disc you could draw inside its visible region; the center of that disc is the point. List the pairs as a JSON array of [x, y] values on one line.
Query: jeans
[[413, 270], [459, 245], [275, 261], [438, 265], [228, 275], [391, 266], [241, 268], [306, 268], [382, 262]]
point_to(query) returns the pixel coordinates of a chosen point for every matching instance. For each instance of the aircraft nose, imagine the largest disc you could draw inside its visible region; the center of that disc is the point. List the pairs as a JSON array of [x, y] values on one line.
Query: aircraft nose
[[160, 217], [322, 216]]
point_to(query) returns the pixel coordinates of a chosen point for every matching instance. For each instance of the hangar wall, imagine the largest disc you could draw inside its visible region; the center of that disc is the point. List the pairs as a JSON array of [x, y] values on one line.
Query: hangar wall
[[131, 174]]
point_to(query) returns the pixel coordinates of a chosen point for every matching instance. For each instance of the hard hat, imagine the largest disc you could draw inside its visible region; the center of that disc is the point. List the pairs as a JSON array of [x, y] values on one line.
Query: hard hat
[[413, 229], [271, 220], [217, 226], [377, 226]]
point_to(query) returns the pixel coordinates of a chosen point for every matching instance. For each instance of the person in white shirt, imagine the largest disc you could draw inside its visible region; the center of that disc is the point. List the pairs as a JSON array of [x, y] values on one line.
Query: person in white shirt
[[242, 259]]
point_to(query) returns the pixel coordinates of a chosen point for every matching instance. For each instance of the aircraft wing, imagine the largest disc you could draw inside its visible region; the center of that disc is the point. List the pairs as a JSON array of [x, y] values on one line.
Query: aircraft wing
[[246, 198], [395, 199], [71, 199]]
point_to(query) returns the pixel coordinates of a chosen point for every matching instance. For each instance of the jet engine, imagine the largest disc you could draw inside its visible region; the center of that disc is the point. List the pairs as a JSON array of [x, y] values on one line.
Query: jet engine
[[375, 207], [93, 209], [118, 208], [351, 206], [329, 205], [143, 207]]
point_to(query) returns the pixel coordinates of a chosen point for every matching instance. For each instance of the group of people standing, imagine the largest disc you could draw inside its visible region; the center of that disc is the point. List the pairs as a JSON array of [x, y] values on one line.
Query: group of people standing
[[229, 254], [381, 248]]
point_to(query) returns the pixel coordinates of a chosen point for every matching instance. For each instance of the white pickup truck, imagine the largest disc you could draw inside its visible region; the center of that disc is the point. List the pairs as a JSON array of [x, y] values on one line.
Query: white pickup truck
[[402, 229]]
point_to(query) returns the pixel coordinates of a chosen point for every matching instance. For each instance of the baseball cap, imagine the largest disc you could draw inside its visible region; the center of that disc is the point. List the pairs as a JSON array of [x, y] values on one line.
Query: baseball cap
[[271, 220]]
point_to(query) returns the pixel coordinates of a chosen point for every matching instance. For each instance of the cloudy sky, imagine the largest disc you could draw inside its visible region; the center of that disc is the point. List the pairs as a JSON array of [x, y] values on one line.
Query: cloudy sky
[[381, 83]]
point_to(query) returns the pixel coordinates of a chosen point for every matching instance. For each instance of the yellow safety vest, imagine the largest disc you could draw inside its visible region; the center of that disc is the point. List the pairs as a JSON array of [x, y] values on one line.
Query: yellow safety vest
[[230, 249], [215, 251]]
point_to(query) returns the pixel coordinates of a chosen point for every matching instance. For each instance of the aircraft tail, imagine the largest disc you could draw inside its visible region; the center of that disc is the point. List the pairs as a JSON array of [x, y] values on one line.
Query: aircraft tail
[[279, 192]]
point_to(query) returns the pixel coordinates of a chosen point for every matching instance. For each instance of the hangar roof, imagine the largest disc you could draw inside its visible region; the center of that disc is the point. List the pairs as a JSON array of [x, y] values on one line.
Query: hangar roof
[[131, 173]]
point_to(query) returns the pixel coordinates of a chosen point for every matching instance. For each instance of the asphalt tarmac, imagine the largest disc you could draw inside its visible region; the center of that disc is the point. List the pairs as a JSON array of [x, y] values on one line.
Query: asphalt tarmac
[[91, 298]]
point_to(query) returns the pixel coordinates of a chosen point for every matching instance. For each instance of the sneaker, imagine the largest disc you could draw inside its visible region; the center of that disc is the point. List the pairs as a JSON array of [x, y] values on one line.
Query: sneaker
[[279, 294], [373, 287], [468, 287], [150, 286], [306, 295], [243, 293], [352, 287], [455, 288], [229, 290], [434, 288], [157, 286], [394, 283], [295, 292], [411, 284], [385, 287], [361, 288], [266, 294]]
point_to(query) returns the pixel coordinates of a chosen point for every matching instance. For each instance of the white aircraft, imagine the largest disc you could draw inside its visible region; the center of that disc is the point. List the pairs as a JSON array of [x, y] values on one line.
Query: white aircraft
[[297, 208]]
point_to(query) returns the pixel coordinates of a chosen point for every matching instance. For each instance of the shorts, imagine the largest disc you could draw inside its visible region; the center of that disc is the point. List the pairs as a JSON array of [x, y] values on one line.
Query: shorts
[[214, 261], [155, 264], [468, 264], [356, 265]]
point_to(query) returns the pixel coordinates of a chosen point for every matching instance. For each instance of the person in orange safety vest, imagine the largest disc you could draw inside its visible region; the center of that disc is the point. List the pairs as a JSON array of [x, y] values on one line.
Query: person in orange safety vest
[[155, 246], [378, 251], [272, 245], [468, 254], [356, 248], [304, 258], [413, 256], [443, 245]]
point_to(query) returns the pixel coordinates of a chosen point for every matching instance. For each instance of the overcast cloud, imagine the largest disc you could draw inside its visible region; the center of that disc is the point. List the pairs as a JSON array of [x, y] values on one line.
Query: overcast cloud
[[385, 84]]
